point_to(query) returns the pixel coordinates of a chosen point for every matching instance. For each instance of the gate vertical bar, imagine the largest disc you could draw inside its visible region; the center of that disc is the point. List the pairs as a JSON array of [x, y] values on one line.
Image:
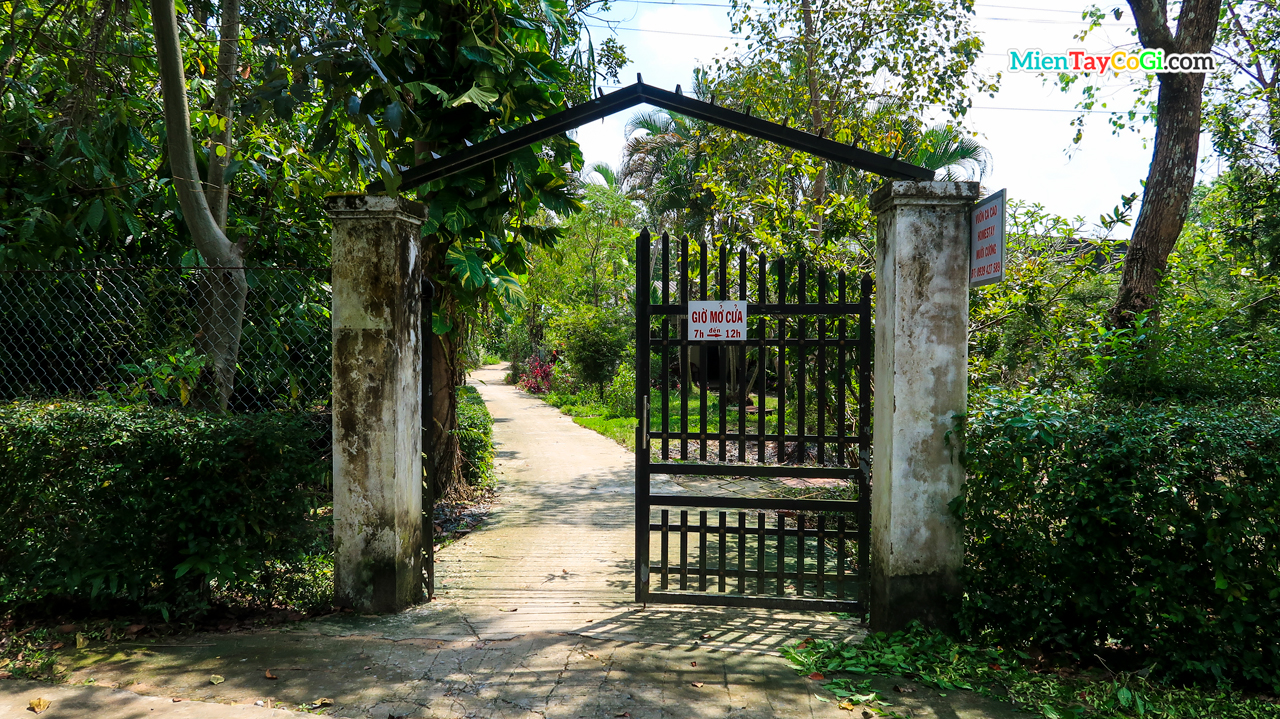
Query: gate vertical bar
[[802, 327], [722, 355], [666, 350], [782, 372], [842, 384], [821, 369], [762, 361], [703, 369], [866, 350], [742, 364], [685, 374], [642, 413]]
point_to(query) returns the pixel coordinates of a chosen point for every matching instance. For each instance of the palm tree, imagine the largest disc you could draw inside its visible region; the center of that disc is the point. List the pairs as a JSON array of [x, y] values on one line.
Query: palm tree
[[607, 173], [947, 149], [661, 162]]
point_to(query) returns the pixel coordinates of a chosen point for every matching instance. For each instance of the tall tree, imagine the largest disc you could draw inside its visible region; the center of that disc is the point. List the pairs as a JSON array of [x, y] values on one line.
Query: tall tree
[[408, 80], [224, 289], [858, 72], [1166, 197], [1243, 117]]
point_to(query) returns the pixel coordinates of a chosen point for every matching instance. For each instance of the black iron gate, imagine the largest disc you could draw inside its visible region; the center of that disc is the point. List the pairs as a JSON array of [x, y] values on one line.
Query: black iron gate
[[762, 444]]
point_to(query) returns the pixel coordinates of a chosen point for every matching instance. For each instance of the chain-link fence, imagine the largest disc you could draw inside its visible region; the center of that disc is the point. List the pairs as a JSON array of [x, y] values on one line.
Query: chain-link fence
[[128, 334]]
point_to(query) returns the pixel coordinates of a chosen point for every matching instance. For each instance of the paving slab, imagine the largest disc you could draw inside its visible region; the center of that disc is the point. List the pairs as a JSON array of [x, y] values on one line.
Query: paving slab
[[533, 617]]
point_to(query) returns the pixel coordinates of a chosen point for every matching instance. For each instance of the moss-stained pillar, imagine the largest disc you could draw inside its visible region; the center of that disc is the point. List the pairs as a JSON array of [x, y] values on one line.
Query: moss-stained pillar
[[377, 423], [921, 382]]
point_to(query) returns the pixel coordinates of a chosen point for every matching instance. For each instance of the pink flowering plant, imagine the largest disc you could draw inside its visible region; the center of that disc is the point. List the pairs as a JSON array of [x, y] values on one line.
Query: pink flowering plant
[[537, 377]]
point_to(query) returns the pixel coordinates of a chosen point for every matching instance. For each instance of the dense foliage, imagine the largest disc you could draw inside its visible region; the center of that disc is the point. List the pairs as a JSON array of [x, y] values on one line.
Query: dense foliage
[[1150, 528], [155, 508], [475, 438], [1217, 334], [1043, 688], [593, 341]]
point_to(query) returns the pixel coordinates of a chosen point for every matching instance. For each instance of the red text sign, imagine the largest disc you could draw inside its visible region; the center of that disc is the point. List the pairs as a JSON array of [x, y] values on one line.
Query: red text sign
[[718, 320], [986, 246]]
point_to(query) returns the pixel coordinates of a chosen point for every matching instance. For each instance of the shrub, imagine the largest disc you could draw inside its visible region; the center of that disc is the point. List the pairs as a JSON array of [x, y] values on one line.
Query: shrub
[[620, 395], [154, 507], [593, 340], [537, 377], [1155, 529], [475, 437]]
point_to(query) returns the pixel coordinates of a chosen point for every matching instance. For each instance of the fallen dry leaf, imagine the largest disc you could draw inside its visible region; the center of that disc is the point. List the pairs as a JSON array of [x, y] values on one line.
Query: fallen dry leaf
[[902, 690], [38, 705], [623, 714], [57, 645], [134, 629], [81, 641], [6, 675], [508, 610], [697, 684], [67, 629], [215, 679], [866, 714], [847, 705], [321, 702], [269, 675], [176, 700], [817, 676]]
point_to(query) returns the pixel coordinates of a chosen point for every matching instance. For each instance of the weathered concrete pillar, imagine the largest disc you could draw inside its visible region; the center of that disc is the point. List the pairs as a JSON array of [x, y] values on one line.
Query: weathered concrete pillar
[[921, 381], [377, 423]]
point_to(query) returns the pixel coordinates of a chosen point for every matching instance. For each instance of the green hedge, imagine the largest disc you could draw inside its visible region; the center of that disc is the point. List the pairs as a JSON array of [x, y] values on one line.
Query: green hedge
[[1155, 529], [475, 437], [151, 506]]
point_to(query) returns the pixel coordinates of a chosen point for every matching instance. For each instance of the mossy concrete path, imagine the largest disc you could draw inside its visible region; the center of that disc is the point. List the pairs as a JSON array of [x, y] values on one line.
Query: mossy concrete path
[[533, 618]]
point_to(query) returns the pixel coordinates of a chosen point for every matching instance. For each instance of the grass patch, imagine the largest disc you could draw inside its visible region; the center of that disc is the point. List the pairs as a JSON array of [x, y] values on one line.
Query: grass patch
[[1050, 689], [621, 430]]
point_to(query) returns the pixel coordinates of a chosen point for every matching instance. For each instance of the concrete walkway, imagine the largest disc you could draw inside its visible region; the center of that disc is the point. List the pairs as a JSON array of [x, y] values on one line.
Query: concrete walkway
[[533, 617]]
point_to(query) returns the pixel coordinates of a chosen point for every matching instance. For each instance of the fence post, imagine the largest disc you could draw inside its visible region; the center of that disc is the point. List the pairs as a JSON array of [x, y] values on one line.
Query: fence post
[[377, 425], [921, 383]]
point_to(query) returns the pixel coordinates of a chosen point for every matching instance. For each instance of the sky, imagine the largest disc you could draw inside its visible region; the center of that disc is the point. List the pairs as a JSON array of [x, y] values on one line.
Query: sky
[[1026, 126]]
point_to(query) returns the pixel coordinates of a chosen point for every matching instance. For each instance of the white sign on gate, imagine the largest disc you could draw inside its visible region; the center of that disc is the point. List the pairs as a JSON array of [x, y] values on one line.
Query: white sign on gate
[[713, 320], [986, 244]]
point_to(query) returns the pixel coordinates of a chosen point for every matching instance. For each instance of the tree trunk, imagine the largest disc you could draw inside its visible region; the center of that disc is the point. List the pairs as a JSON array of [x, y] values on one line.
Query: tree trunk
[[223, 291], [817, 123], [444, 455], [216, 187], [1171, 178], [1166, 198]]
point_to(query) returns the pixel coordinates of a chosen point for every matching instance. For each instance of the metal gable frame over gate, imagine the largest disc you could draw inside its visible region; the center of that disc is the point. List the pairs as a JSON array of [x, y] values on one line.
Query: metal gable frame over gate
[[743, 432]]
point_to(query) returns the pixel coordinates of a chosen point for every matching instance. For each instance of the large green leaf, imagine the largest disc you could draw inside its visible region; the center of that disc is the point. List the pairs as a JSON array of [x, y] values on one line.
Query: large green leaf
[[482, 96], [465, 265]]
